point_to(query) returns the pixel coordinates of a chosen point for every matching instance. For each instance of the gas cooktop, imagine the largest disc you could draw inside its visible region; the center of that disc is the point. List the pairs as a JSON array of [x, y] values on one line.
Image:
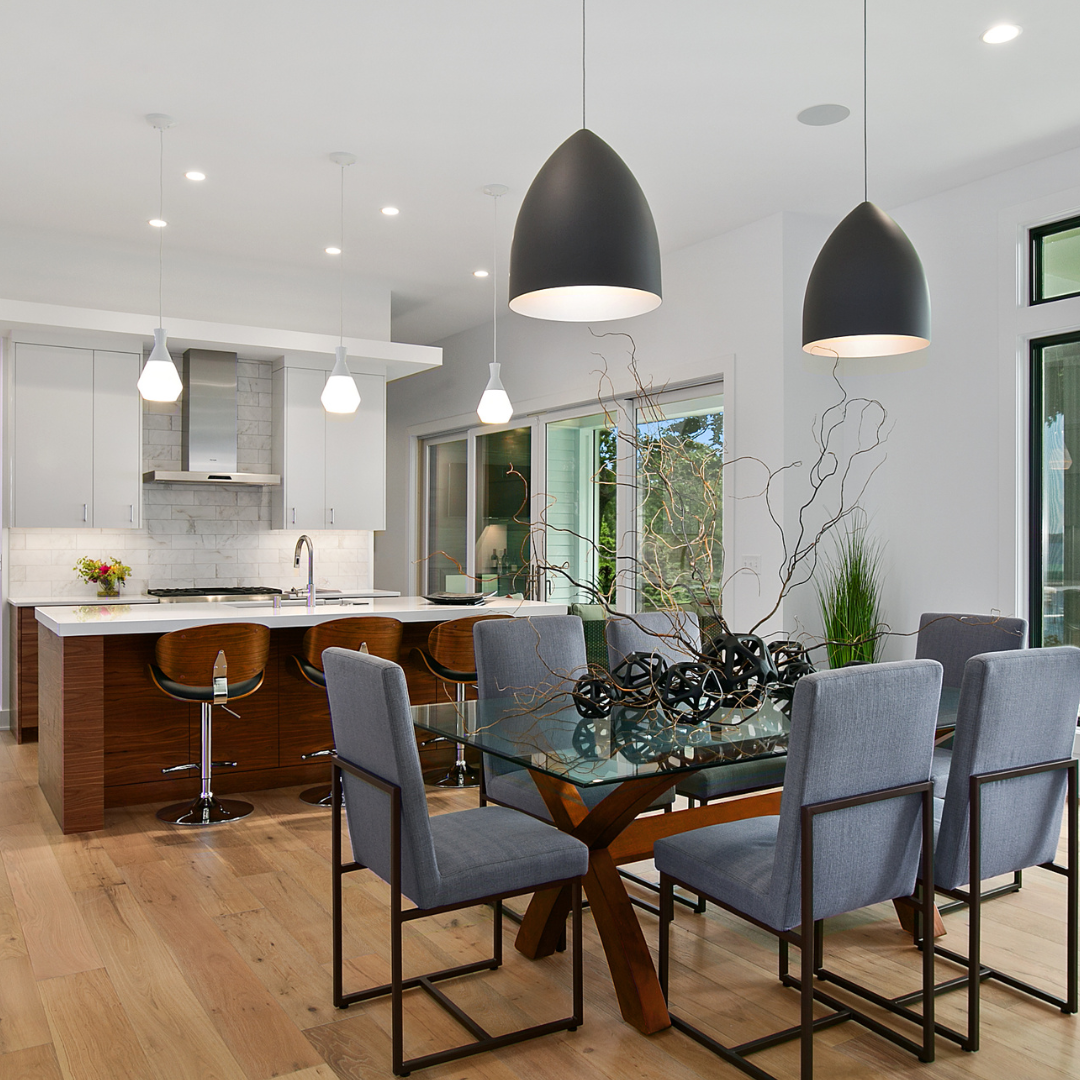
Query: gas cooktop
[[215, 593]]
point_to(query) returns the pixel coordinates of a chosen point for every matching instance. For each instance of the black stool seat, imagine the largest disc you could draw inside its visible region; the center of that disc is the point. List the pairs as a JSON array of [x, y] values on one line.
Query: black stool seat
[[183, 692], [374, 634], [193, 665]]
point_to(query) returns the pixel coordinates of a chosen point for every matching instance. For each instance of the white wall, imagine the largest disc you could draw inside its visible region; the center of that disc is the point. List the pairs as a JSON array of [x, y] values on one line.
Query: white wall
[[722, 314], [951, 501], [948, 498]]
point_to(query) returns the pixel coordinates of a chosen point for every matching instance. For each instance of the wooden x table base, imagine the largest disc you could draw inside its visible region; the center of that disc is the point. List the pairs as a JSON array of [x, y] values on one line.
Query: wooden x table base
[[614, 834]]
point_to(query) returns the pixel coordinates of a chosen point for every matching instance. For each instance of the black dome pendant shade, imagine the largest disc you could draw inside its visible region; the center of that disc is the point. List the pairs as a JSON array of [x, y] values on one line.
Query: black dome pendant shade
[[867, 293], [585, 246]]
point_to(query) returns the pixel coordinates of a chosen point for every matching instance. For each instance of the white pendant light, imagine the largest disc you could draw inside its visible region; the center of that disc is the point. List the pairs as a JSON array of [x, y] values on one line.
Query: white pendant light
[[495, 407], [159, 380], [340, 394]]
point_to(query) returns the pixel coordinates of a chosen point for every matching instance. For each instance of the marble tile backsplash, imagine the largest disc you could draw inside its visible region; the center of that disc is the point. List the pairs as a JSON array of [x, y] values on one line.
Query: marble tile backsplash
[[194, 535]]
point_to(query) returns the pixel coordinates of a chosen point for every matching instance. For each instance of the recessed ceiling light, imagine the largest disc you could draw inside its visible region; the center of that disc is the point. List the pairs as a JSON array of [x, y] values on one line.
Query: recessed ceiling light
[[479, 273], [998, 35], [332, 250], [823, 115], [195, 175], [391, 211], [157, 223]]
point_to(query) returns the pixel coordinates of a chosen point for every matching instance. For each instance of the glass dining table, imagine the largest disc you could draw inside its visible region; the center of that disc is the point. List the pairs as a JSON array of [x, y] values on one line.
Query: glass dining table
[[596, 776]]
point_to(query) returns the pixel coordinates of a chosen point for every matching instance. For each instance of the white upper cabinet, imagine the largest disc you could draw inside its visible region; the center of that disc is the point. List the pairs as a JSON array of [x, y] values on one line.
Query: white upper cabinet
[[76, 440], [117, 440], [333, 468]]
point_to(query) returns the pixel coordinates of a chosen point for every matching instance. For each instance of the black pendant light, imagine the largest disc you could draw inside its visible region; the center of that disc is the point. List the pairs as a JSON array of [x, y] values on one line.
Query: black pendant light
[[867, 293], [585, 246]]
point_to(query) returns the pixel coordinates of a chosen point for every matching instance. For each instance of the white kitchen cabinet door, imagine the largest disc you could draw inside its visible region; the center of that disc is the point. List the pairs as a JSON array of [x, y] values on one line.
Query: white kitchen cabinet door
[[53, 422], [117, 441], [303, 450], [356, 461]]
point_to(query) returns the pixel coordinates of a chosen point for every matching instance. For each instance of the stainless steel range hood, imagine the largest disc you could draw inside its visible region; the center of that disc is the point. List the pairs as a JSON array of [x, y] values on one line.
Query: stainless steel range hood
[[208, 418]]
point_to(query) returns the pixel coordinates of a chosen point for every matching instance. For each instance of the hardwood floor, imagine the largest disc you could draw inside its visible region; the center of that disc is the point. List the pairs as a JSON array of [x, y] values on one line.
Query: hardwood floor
[[151, 952]]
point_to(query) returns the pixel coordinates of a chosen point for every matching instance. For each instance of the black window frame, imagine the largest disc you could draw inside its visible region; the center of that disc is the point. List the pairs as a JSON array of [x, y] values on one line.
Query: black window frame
[[1035, 238], [1036, 347]]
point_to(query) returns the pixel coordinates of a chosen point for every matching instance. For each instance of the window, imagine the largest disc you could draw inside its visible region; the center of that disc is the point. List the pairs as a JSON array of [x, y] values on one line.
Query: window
[[1055, 491], [634, 518], [1055, 261]]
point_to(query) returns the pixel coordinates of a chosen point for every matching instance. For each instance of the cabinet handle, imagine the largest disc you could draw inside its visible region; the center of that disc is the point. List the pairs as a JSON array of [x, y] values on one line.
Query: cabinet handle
[[331, 515], [131, 513], [84, 511], [294, 515]]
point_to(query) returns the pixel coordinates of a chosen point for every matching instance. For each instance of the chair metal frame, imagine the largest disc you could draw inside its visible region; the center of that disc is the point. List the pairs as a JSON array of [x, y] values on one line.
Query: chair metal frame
[[976, 971], [398, 984], [812, 958]]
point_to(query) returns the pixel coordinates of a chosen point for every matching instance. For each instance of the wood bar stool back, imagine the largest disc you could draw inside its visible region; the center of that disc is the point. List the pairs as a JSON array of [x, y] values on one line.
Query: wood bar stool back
[[449, 657], [213, 665], [372, 634]]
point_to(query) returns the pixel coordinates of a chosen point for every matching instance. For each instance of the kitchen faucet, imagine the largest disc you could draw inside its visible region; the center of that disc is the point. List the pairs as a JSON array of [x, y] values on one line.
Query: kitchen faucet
[[305, 539]]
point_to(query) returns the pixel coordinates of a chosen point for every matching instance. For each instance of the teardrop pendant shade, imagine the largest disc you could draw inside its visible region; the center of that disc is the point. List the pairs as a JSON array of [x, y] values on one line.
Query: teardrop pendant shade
[[867, 293], [585, 246]]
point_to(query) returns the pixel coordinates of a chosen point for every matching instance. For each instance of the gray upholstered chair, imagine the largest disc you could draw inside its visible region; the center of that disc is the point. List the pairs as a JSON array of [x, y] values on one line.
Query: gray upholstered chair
[[952, 639], [855, 822], [451, 861], [1011, 770], [530, 658], [672, 635]]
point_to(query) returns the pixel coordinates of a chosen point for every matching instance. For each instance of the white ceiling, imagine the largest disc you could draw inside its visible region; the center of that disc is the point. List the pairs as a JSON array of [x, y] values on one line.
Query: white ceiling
[[439, 97]]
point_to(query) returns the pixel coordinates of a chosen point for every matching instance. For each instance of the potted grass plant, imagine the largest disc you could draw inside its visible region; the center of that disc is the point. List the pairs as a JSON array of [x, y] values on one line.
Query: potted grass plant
[[849, 594]]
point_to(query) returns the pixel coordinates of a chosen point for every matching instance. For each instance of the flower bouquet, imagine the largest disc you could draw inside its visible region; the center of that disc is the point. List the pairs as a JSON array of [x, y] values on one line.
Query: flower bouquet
[[109, 574]]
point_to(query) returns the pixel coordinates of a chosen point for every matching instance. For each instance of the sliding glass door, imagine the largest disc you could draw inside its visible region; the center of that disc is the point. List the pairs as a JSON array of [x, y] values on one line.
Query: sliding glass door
[[477, 512], [633, 505]]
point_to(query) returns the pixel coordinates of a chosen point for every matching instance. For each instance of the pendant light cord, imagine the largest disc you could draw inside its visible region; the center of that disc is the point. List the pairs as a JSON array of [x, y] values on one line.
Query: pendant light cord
[[341, 263], [583, 63], [161, 217], [495, 281], [864, 183]]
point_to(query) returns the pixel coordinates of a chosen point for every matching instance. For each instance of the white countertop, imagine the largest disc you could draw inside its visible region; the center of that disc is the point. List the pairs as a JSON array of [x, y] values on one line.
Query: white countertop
[[140, 598], [92, 620], [67, 601]]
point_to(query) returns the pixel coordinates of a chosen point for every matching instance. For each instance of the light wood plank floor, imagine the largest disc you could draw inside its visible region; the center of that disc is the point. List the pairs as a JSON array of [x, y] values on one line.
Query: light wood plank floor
[[152, 952]]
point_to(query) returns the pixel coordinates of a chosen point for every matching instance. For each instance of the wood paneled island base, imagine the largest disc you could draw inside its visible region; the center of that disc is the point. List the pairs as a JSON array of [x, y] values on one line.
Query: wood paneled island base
[[106, 732]]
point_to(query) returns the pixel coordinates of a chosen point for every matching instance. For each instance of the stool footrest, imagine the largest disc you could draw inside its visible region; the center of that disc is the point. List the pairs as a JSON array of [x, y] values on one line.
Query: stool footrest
[[181, 768], [223, 764], [316, 754]]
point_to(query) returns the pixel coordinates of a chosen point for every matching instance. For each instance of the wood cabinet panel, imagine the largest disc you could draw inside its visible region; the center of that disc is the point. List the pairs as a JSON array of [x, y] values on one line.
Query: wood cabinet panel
[[24, 686]]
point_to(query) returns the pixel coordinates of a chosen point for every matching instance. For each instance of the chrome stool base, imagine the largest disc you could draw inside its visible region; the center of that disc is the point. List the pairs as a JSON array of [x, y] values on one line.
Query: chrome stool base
[[205, 810], [460, 775], [321, 795]]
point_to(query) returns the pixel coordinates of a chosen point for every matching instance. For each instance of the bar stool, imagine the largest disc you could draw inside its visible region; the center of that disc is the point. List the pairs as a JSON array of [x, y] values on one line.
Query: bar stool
[[213, 665], [449, 657], [369, 633]]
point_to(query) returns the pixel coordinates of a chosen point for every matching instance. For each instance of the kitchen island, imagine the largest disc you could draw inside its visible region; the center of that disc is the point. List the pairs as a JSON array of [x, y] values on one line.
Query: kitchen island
[[106, 732]]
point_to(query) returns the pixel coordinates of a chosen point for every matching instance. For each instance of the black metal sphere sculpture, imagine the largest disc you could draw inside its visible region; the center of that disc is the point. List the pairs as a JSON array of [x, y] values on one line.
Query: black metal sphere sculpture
[[792, 664], [637, 679], [691, 692], [594, 695], [743, 665]]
